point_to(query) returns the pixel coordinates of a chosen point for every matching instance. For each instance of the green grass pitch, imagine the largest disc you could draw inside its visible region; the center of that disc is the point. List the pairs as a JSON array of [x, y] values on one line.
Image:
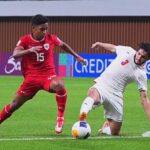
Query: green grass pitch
[[32, 126]]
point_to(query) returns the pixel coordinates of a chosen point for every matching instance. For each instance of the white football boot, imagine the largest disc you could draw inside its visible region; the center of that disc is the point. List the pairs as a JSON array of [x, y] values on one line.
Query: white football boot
[[59, 125], [146, 134], [105, 129]]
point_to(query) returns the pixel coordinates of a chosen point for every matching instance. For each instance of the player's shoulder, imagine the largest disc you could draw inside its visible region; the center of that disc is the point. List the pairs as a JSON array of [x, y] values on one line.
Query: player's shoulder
[[53, 38], [50, 36], [25, 37], [141, 74], [125, 49]]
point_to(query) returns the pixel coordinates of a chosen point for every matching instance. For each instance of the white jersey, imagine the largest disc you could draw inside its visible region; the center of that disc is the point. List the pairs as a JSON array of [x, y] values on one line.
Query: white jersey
[[122, 71]]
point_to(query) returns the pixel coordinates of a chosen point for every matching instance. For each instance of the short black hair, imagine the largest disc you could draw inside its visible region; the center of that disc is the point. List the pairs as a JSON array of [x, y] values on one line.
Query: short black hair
[[38, 19], [146, 47]]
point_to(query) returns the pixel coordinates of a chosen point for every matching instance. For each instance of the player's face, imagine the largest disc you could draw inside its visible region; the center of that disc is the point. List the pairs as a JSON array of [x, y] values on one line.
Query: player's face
[[141, 57], [39, 31]]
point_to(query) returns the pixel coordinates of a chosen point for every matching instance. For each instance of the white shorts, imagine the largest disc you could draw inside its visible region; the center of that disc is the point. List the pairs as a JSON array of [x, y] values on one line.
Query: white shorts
[[112, 103]]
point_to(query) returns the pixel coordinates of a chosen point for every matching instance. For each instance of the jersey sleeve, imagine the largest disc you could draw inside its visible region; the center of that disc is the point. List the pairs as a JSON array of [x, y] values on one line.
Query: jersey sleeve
[[21, 43], [124, 50], [56, 40], [141, 81]]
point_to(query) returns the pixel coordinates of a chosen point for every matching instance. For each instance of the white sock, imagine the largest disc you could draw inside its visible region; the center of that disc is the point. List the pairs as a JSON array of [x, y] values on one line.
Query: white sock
[[87, 105]]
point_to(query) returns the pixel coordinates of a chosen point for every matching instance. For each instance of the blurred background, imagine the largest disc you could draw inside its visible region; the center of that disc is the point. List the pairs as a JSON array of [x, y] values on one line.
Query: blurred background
[[80, 23]]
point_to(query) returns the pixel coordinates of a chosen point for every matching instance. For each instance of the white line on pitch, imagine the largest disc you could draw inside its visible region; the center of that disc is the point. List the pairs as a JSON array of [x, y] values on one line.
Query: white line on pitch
[[67, 138]]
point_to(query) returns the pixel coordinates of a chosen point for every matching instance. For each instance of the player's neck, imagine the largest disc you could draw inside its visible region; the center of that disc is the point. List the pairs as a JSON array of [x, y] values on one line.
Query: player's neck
[[36, 39]]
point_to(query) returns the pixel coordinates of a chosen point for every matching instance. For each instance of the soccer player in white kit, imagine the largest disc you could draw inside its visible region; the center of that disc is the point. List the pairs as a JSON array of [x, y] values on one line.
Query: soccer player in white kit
[[108, 89]]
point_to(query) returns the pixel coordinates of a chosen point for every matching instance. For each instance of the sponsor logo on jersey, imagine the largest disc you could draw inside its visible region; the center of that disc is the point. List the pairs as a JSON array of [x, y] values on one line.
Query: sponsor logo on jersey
[[125, 62], [23, 92]]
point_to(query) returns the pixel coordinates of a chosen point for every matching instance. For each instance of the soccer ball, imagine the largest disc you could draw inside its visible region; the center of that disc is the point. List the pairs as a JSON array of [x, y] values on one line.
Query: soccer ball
[[81, 130]]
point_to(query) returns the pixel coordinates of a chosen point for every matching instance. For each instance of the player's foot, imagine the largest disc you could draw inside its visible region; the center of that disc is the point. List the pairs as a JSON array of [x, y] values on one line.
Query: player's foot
[[146, 134], [59, 125], [83, 116], [105, 129]]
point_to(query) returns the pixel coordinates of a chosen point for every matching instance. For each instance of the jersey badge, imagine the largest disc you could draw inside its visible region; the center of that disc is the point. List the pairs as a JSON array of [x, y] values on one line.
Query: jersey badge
[[46, 46]]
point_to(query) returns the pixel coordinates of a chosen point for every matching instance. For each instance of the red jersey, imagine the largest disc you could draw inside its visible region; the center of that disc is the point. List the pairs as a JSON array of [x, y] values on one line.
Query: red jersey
[[42, 62]]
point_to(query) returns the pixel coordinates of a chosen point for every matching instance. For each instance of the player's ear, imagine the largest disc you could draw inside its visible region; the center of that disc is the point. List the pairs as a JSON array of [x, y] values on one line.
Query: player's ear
[[33, 27]]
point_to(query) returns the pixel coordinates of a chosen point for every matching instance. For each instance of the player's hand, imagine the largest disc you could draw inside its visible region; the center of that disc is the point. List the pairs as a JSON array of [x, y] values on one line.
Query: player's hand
[[96, 45], [81, 60], [35, 49]]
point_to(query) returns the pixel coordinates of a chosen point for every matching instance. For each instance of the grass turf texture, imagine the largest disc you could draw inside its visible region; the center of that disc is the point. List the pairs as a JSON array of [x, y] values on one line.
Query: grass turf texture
[[32, 126]]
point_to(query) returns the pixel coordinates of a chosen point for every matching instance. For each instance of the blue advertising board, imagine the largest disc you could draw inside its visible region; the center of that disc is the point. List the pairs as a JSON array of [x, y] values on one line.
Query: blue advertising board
[[147, 64], [96, 64]]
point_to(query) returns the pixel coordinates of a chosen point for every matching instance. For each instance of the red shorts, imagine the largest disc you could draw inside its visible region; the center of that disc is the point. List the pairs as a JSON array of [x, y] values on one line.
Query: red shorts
[[32, 85]]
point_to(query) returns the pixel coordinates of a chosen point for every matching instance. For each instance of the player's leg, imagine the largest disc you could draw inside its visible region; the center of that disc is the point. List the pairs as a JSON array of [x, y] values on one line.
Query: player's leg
[[26, 91], [57, 86], [92, 99], [115, 127], [110, 127], [17, 102], [113, 106]]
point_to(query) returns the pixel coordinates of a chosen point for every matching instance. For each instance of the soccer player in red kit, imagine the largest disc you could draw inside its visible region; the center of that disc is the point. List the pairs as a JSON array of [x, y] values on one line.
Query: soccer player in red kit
[[38, 69]]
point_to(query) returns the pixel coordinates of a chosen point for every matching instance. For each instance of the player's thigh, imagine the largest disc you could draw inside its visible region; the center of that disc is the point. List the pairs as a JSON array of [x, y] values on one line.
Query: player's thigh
[[113, 106], [29, 87], [94, 93]]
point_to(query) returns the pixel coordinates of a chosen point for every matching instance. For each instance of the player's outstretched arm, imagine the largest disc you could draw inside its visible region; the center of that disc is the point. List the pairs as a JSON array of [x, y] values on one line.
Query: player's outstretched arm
[[145, 102], [68, 49], [106, 46], [19, 51]]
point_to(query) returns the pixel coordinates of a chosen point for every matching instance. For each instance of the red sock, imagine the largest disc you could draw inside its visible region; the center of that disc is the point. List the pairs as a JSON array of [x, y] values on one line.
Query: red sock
[[5, 113], [61, 98]]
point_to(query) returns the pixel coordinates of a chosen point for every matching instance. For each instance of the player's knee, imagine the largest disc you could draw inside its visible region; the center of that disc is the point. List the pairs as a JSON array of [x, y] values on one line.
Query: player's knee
[[90, 92], [57, 85], [94, 94], [60, 85], [115, 128]]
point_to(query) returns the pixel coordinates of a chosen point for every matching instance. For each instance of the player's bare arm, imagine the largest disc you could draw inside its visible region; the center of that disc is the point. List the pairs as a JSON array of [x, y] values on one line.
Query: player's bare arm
[[19, 51], [106, 46], [145, 102], [68, 49]]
